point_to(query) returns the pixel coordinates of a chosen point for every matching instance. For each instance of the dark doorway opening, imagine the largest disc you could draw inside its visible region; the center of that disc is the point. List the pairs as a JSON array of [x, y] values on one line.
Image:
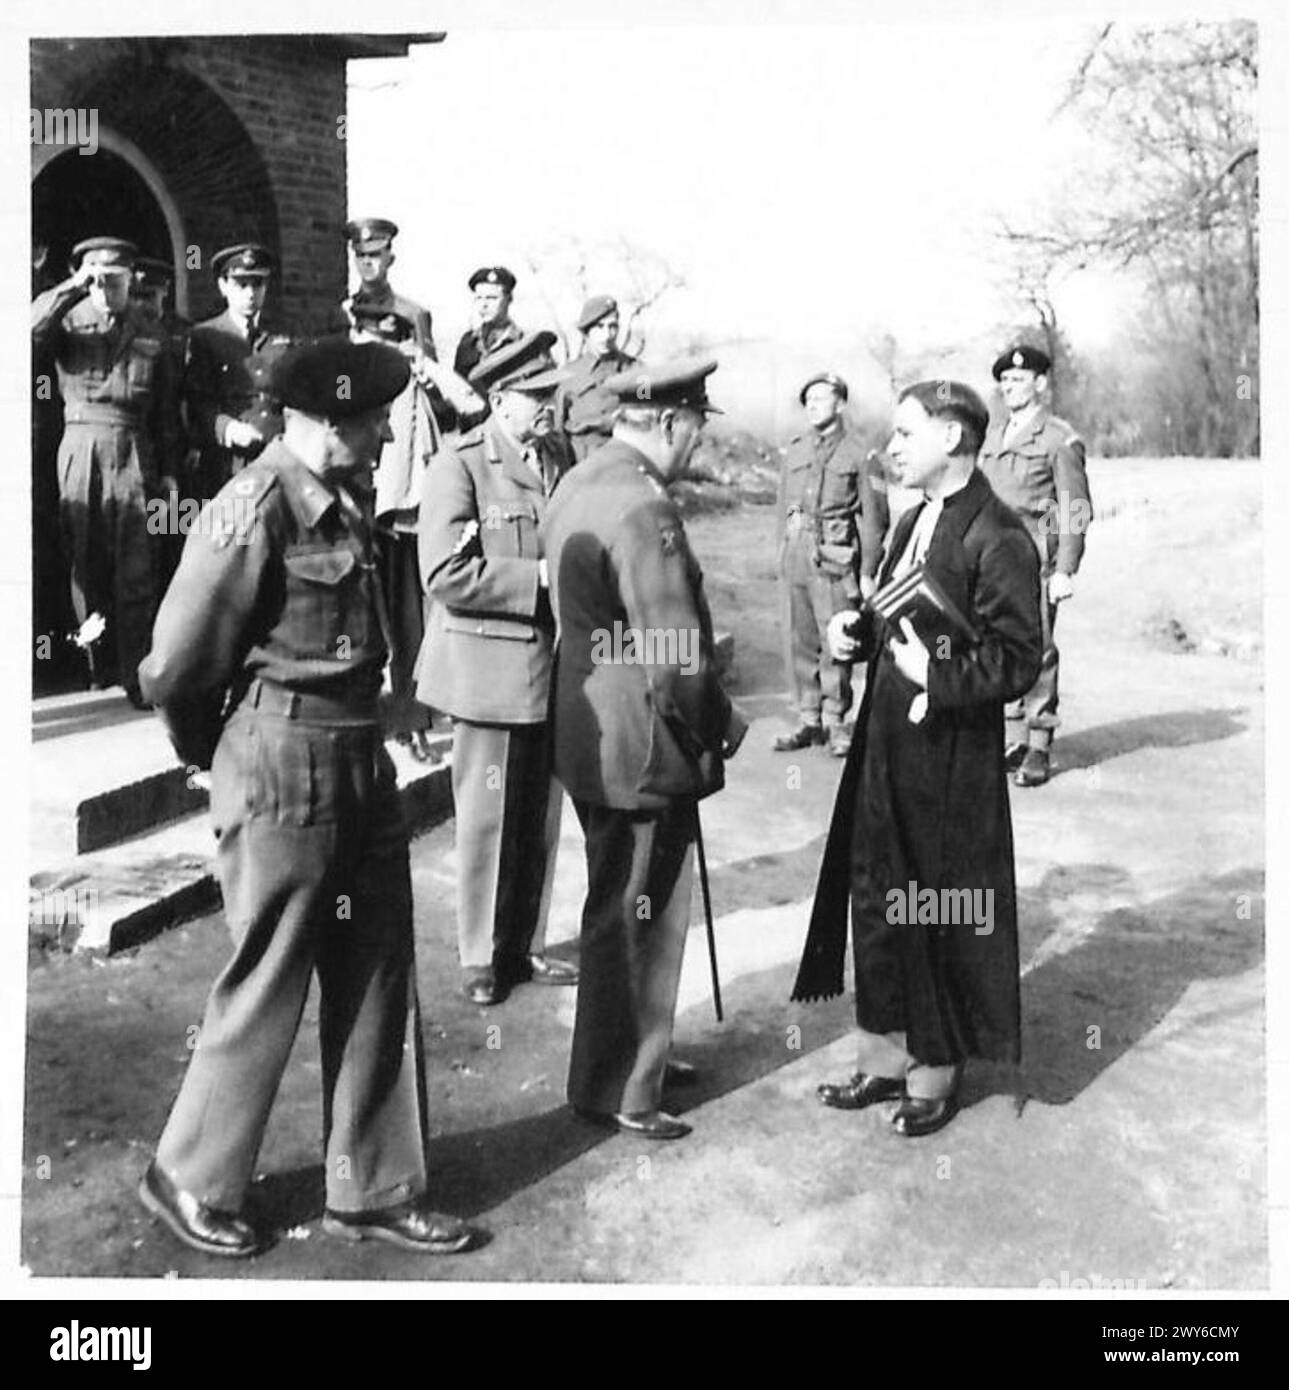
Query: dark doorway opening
[[73, 197]]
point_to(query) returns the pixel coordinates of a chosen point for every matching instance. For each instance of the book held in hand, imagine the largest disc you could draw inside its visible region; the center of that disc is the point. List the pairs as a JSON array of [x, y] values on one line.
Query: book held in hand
[[917, 595]]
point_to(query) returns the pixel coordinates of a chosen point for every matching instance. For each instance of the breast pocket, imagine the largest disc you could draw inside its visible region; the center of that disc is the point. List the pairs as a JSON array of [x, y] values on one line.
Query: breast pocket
[[328, 604], [521, 520]]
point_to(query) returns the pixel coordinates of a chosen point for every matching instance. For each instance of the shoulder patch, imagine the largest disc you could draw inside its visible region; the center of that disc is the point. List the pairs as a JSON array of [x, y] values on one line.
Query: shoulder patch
[[251, 486]]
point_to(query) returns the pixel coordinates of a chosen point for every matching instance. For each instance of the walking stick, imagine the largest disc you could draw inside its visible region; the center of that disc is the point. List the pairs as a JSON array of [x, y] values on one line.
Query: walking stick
[[707, 913]]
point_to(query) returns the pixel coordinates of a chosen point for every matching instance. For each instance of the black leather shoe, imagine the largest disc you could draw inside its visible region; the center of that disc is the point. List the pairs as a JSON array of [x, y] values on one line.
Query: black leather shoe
[[200, 1227], [861, 1090], [648, 1124], [678, 1073], [410, 1225], [803, 737], [1035, 770], [547, 970], [1014, 755], [917, 1117], [481, 987]]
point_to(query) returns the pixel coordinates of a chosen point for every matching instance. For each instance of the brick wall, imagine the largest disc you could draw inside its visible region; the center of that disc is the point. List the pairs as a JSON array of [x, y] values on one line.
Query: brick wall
[[243, 132]]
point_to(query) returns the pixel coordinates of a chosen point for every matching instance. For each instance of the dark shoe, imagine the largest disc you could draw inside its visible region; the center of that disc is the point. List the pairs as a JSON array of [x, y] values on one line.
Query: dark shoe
[[1035, 770], [839, 742], [917, 1117], [804, 737], [547, 970], [861, 1090], [200, 1227], [648, 1124], [678, 1073], [411, 1226], [481, 987], [1014, 755]]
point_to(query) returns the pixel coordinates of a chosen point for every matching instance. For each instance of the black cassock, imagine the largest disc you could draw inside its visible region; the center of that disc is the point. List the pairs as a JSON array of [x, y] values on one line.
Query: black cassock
[[926, 803]]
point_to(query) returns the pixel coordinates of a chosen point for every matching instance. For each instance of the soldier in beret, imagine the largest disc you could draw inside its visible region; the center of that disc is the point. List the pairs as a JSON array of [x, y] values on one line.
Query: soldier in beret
[[584, 408], [486, 661], [642, 730], [492, 287], [120, 444], [1037, 464], [832, 521], [232, 411], [268, 650]]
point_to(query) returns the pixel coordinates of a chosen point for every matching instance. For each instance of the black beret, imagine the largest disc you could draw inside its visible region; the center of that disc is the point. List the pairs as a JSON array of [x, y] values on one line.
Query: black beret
[[248, 259], [679, 382], [493, 275], [105, 250], [371, 233], [1032, 359], [827, 379], [597, 307], [336, 379], [511, 363]]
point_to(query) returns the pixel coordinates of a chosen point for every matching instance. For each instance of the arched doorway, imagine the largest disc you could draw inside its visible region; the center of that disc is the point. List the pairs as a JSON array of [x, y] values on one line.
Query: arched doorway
[[113, 192]]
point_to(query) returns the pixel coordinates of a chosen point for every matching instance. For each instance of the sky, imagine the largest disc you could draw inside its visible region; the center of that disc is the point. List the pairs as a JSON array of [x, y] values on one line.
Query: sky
[[814, 184]]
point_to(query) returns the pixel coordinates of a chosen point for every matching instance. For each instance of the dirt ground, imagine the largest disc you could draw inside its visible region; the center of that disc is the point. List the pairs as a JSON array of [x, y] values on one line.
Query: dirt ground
[[1128, 1151]]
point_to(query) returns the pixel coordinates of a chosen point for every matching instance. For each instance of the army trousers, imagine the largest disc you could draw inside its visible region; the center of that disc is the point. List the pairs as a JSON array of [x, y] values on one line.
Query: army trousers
[[1033, 718], [508, 811], [639, 868], [400, 576], [821, 687], [111, 556], [313, 863]]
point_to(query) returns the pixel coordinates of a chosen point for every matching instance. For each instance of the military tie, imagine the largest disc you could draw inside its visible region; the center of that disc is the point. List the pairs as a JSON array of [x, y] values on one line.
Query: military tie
[[361, 531]]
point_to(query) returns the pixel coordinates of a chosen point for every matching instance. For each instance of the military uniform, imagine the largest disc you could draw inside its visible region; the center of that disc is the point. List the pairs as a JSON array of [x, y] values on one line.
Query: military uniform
[[279, 604], [120, 434], [480, 342], [585, 409], [486, 661], [636, 746], [229, 377], [832, 520], [1039, 470]]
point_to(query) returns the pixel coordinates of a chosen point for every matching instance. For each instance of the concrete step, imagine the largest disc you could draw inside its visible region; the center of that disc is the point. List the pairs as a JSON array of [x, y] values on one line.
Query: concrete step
[[120, 896]]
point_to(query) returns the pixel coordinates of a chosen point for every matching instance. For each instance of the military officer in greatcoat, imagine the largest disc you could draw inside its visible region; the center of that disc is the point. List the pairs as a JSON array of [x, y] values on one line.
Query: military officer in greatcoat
[[832, 520], [583, 407], [642, 730], [232, 411], [486, 661], [120, 445], [268, 650], [1037, 464]]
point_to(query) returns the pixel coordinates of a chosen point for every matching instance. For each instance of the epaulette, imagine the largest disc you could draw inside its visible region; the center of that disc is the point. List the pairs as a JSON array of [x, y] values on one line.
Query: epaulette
[[1071, 435], [251, 486]]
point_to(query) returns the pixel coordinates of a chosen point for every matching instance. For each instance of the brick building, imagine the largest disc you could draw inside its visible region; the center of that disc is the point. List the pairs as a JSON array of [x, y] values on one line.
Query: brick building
[[197, 142]]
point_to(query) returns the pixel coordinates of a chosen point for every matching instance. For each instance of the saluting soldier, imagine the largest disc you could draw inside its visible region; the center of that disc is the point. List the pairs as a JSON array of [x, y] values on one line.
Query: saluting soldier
[[275, 615], [584, 408], [642, 729], [1037, 464], [486, 661], [120, 445], [832, 520], [232, 410]]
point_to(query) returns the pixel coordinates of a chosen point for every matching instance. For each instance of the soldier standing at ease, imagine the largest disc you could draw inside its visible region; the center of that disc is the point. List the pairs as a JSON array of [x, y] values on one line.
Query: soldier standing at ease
[[584, 407], [120, 444], [486, 661], [371, 242], [640, 735], [232, 412], [275, 615], [1036, 464], [832, 520]]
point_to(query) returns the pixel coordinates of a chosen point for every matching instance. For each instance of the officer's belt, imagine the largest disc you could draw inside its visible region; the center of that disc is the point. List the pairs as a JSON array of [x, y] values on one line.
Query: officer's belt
[[101, 413], [266, 698]]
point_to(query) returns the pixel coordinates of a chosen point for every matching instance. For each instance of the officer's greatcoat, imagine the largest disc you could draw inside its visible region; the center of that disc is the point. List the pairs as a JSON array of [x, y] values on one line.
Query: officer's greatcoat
[[926, 804]]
